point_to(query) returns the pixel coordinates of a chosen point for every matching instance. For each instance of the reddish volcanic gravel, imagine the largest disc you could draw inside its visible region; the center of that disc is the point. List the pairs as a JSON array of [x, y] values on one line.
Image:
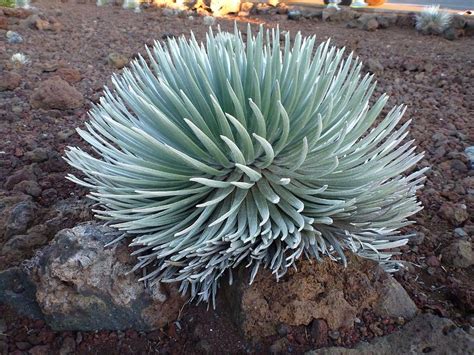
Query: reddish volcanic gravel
[[433, 76]]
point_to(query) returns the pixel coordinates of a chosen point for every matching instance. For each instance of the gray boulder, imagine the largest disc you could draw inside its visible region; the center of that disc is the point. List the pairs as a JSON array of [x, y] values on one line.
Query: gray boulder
[[394, 301], [14, 37], [83, 285], [20, 218], [459, 254], [426, 333], [18, 292], [374, 66]]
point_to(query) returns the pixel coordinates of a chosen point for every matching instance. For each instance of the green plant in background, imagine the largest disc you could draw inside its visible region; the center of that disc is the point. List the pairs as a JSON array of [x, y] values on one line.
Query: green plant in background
[[7, 3], [230, 152], [432, 20]]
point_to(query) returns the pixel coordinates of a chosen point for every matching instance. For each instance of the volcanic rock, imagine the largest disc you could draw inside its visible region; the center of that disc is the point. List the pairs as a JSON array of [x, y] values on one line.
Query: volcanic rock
[[394, 301], [280, 346], [3, 23], [68, 346], [209, 20], [37, 155], [7, 206], [455, 213], [324, 291], [344, 14], [319, 332], [168, 12], [83, 285], [459, 254], [20, 218], [294, 15], [374, 66], [386, 20], [28, 187], [14, 37], [42, 24], [55, 93], [18, 292], [70, 75], [461, 233], [367, 22], [371, 25], [117, 60], [9, 81], [16, 12], [426, 333]]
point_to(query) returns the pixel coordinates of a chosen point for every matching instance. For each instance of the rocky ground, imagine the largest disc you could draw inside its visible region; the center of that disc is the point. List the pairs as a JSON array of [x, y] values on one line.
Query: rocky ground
[[73, 49]]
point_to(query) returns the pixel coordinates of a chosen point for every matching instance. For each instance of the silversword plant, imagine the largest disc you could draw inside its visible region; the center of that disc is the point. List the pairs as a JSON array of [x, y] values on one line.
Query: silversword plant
[[432, 20], [247, 152], [24, 4]]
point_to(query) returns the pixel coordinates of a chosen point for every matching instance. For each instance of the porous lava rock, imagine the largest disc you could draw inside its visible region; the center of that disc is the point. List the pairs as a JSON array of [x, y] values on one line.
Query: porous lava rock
[[9, 80], [117, 60], [16, 12], [316, 290], [56, 93], [18, 213], [70, 75]]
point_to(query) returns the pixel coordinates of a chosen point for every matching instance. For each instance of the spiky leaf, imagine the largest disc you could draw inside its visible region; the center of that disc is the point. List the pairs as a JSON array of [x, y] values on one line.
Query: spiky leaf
[[247, 152]]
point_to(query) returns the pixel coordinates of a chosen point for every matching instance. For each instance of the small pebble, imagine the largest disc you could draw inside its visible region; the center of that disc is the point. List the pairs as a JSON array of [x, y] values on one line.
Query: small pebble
[[294, 15], [282, 329], [17, 109], [334, 334], [432, 261], [14, 38], [461, 233], [209, 20]]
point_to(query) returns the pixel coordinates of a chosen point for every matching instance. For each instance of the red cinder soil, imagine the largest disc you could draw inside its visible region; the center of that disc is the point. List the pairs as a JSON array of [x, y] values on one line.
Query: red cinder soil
[[431, 75]]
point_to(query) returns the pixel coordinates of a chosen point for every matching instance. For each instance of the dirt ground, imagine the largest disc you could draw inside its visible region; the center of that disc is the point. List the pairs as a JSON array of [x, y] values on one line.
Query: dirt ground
[[433, 76]]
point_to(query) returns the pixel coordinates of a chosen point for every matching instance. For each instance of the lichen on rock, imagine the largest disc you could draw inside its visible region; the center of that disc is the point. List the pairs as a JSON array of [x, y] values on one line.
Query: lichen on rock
[[84, 285]]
